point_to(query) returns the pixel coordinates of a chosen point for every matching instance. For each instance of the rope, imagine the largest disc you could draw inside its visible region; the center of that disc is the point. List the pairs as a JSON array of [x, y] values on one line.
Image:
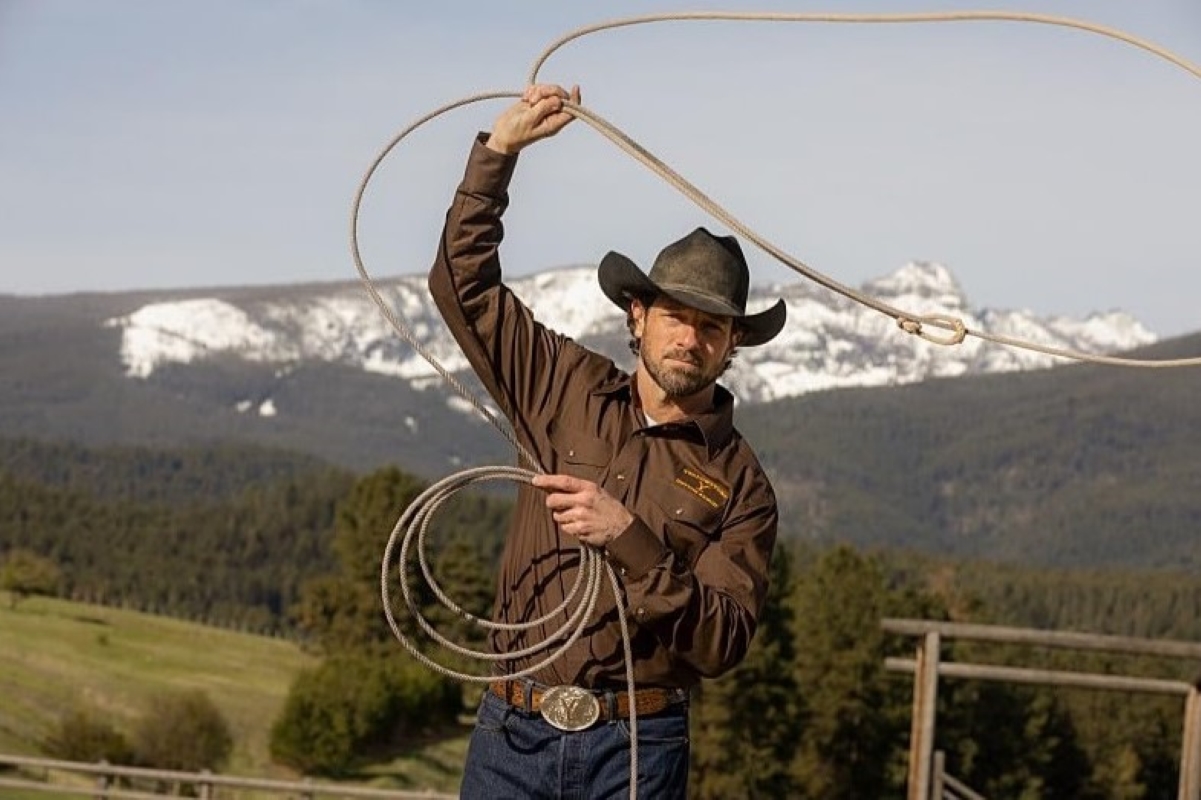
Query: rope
[[909, 322], [415, 520]]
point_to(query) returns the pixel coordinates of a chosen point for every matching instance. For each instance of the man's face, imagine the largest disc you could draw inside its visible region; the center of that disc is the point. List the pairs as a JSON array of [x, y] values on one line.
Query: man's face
[[684, 350]]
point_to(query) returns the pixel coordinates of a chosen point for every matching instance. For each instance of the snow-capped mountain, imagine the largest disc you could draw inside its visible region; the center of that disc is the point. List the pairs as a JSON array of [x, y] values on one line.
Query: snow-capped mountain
[[830, 341]]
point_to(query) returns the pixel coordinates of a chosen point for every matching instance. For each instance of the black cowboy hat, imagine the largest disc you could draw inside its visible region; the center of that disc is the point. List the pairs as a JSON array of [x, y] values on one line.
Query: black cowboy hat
[[702, 271]]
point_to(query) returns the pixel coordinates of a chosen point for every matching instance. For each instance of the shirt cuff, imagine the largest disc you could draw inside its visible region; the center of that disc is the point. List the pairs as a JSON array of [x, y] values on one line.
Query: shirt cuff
[[636, 550], [488, 172]]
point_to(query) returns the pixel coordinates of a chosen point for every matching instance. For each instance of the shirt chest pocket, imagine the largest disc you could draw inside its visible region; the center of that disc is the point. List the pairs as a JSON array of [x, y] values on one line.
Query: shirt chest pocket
[[688, 523], [578, 455]]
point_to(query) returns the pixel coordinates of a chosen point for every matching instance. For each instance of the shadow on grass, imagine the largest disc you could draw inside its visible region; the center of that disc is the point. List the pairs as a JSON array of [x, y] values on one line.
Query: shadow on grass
[[90, 620], [420, 759]]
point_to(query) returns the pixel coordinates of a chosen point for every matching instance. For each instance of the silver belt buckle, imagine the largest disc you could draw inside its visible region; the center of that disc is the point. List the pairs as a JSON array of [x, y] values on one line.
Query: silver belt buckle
[[569, 708]]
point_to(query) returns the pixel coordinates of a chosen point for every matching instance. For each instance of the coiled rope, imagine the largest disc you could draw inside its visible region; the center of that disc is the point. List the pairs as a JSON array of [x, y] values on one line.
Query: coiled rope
[[414, 522]]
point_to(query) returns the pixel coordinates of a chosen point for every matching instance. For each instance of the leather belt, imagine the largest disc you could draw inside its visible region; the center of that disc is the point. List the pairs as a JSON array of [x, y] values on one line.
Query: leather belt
[[611, 704]]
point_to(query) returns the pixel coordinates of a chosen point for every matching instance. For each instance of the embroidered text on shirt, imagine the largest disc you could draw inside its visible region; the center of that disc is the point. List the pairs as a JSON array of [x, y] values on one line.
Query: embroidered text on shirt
[[705, 488]]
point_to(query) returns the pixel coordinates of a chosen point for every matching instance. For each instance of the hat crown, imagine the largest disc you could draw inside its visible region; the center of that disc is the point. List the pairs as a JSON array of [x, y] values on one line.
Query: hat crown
[[706, 266], [701, 271]]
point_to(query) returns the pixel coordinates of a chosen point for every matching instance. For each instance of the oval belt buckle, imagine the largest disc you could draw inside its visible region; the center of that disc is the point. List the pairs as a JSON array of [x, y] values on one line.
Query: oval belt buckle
[[569, 708]]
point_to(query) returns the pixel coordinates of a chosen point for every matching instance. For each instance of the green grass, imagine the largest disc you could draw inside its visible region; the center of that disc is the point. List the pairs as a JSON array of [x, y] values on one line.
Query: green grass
[[57, 655]]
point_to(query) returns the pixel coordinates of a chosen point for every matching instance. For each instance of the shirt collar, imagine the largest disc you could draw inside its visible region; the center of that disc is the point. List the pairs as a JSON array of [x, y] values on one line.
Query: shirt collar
[[716, 426]]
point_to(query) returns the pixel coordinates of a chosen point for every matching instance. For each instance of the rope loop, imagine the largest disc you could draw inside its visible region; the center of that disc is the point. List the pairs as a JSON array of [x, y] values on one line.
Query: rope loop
[[912, 323], [412, 525], [575, 613]]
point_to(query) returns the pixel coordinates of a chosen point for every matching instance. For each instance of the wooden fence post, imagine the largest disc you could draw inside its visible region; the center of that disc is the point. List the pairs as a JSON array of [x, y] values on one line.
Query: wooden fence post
[[925, 701], [1190, 747], [102, 782], [940, 769]]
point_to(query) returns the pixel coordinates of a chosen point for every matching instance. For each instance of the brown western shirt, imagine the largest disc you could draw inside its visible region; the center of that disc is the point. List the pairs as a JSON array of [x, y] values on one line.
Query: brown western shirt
[[694, 561]]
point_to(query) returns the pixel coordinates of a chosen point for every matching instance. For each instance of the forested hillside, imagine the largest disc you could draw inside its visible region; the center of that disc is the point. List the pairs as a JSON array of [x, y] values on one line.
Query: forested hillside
[[258, 540], [227, 535], [1083, 466], [1080, 465]]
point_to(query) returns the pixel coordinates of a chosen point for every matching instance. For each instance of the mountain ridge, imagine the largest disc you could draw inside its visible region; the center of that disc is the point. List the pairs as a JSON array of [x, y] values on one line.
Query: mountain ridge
[[831, 340], [1078, 464]]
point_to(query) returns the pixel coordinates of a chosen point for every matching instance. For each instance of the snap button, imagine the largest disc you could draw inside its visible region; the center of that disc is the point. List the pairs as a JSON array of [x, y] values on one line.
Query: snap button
[[679, 511], [621, 476]]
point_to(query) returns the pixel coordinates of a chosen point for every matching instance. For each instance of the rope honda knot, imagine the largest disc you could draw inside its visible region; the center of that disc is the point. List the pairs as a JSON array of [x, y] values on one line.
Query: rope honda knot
[[956, 327]]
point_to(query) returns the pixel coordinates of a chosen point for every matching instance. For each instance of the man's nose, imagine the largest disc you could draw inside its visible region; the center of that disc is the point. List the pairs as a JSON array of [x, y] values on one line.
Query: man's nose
[[687, 336]]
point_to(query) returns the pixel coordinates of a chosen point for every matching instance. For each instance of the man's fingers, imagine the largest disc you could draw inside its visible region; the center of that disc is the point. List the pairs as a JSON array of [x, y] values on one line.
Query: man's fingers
[[550, 90], [540, 91], [545, 109], [558, 483], [547, 101], [559, 502]]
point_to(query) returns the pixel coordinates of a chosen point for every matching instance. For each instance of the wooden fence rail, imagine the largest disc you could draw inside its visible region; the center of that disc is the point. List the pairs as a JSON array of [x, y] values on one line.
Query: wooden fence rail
[[946, 786], [928, 666], [107, 781]]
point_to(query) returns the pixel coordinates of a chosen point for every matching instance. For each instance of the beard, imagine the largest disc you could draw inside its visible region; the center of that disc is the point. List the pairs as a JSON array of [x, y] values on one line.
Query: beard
[[679, 381]]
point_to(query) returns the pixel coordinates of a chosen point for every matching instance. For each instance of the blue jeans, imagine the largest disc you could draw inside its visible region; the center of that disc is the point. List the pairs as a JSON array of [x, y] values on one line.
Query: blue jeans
[[519, 755]]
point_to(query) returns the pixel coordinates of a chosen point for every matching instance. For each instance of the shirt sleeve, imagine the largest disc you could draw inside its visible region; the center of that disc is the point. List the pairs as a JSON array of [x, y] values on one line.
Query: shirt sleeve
[[703, 613], [513, 355]]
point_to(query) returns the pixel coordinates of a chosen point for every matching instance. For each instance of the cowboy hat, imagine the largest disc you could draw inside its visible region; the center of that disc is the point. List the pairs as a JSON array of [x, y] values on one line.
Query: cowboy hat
[[702, 271]]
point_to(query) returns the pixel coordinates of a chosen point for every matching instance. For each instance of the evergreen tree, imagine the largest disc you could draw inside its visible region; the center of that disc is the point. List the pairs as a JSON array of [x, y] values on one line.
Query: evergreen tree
[[746, 723], [465, 579], [345, 610], [24, 573], [857, 727], [1010, 741]]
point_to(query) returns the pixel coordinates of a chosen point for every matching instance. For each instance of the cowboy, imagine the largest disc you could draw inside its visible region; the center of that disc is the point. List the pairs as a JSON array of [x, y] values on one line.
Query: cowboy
[[646, 466]]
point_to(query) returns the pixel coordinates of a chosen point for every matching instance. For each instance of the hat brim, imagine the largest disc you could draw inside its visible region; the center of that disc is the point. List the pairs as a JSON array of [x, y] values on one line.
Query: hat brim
[[621, 280]]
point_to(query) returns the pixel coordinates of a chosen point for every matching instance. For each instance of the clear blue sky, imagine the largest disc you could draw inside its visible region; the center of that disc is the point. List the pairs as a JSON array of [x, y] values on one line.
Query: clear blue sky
[[198, 143]]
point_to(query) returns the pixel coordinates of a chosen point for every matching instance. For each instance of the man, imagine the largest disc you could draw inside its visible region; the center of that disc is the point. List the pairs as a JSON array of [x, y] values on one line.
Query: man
[[647, 467]]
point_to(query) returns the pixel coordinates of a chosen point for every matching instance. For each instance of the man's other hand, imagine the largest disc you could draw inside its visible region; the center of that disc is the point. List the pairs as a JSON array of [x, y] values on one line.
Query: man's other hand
[[583, 509], [537, 115]]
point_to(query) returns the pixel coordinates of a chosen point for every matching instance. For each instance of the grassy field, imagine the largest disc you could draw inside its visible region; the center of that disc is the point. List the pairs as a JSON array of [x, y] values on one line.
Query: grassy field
[[57, 655]]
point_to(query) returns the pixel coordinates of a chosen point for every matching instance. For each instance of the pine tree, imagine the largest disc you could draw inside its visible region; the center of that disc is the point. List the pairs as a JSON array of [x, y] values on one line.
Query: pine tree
[[746, 723], [465, 579], [345, 610], [24, 573], [856, 731]]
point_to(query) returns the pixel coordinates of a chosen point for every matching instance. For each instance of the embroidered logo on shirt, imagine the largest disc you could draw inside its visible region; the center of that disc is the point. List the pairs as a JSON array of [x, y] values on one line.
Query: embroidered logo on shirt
[[706, 489]]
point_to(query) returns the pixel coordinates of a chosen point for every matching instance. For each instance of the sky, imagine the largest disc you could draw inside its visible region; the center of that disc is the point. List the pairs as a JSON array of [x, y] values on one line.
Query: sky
[[204, 143]]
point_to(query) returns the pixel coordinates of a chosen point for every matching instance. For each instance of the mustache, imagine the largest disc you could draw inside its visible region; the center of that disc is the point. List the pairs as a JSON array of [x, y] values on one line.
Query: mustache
[[684, 355]]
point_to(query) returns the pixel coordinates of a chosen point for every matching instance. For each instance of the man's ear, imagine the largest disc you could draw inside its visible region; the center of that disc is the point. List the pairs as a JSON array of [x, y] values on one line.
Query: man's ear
[[638, 314], [737, 334]]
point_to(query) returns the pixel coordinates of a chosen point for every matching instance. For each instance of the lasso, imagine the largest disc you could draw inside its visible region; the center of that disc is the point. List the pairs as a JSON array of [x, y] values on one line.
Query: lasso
[[577, 611]]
